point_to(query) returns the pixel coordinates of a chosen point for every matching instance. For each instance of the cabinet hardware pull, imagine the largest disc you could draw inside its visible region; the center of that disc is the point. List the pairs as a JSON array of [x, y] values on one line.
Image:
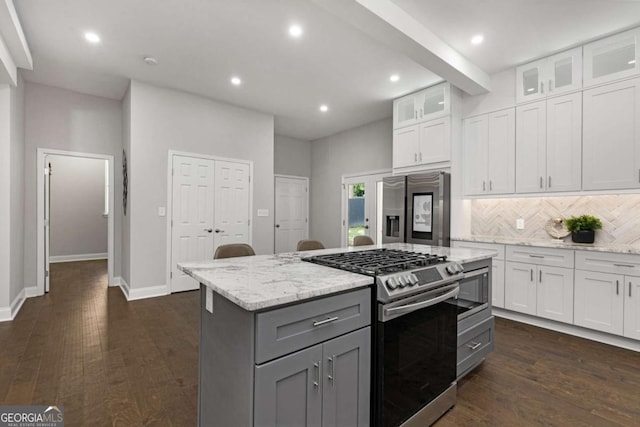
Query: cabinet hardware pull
[[332, 375], [532, 275], [416, 114], [490, 185], [541, 182], [536, 256], [617, 287], [540, 276], [541, 87], [421, 112], [549, 181], [484, 186], [638, 175], [474, 345], [624, 265], [327, 320], [629, 289], [550, 85], [209, 230], [316, 383], [420, 157], [415, 157]]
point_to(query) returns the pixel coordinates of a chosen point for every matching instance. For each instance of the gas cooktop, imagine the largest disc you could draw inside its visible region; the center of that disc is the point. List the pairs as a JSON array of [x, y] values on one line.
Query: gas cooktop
[[398, 273]]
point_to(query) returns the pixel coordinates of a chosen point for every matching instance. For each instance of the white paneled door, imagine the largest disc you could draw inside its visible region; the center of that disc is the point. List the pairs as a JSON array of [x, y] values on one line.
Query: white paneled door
[[192, 216], [291, 216], [231, 203], [210, 207]]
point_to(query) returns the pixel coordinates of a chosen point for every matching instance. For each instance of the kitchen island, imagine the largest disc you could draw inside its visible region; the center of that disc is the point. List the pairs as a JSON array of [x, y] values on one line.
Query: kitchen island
[[283, 339]]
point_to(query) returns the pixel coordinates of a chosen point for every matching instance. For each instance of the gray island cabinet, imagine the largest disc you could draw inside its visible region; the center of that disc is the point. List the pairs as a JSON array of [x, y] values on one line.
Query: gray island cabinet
[[283, 342]]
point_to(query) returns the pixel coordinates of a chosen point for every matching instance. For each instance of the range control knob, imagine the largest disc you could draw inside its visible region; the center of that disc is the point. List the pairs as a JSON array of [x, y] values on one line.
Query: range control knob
[[402, 281], [454, 268], [392, 283], [414, 279]]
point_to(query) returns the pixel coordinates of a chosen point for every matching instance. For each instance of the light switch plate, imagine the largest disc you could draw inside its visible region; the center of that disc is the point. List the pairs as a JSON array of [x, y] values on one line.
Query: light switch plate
[[209, 300], [520, 223], [162, 211], [263, 212]]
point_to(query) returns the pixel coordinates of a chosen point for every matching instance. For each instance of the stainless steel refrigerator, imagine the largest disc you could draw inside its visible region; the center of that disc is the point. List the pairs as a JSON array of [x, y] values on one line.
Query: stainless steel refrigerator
[[416, 209]]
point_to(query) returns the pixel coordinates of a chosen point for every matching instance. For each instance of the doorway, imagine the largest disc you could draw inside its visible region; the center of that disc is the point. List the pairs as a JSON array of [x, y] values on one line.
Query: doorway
[[99, 201], [291, 212], [209, 204], [362, 206]]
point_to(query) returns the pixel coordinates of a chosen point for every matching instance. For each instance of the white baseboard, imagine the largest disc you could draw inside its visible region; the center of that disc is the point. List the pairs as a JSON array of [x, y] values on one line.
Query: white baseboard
[[10, 313], [116, 281], [141, 293], [78, 257], [32, 291], [565, 328]]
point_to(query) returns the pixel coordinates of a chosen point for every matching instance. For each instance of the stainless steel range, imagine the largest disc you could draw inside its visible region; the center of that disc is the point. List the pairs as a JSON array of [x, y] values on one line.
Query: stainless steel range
[[415, 336]]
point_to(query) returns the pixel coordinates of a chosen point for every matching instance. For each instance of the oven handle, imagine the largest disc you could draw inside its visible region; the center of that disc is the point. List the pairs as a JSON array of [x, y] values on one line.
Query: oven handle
[[474, 273], [408, 308]]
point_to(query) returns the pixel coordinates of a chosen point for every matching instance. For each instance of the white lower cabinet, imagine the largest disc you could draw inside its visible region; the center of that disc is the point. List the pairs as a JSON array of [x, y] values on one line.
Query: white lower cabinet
[[599, 303], [497, 283], [632, 308], [520, 288]]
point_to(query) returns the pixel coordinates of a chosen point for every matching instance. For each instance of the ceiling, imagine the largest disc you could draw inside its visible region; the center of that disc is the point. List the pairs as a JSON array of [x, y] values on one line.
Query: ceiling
[[200, 44]]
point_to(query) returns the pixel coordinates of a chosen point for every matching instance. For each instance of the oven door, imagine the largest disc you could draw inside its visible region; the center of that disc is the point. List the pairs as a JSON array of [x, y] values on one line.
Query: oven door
[[415, 354], [474, 292]]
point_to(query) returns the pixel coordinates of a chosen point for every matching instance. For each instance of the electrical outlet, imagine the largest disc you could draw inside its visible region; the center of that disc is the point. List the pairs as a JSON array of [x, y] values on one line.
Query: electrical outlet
[[520, 223]]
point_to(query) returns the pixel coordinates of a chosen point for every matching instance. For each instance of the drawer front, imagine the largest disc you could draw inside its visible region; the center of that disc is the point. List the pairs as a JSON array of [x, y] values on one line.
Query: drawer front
[[478, 245], [604, 262], [284, 330], [541, 256], [473, 345]]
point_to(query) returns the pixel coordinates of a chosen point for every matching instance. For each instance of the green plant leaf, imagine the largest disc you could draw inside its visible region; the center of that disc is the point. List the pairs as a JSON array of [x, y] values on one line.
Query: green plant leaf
[[583, 222]]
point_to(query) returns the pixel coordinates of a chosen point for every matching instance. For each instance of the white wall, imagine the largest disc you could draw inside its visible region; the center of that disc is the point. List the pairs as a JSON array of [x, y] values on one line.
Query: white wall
[[361, 149], [502, 95], [164, 119], [292, 156], [78, 226], [64, 120], [5, 199], [17, 189]]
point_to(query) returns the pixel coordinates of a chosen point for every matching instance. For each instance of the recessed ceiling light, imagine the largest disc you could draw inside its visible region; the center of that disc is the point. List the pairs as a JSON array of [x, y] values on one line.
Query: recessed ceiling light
[[236, 81], [441, 103], [295, 31], [92, 37], [150, 60], [477, 39], [394, 78], [633, 61], [324, 108], [531, 89]]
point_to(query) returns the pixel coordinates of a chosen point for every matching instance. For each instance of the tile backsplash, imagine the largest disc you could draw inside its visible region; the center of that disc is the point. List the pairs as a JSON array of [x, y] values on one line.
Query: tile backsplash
[[620, 216]]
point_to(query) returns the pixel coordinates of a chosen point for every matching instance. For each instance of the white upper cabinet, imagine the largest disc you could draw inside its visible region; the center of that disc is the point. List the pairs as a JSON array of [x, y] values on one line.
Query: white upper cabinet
[[428, 104], [550, 76], [611, 136], [549, 145], [613, 58], [489, 153], [422, 144]]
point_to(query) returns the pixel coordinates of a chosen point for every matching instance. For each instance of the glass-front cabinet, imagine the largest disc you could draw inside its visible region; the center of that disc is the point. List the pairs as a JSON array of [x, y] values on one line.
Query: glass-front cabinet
[[428, 104], [613, 58], [550, 76]]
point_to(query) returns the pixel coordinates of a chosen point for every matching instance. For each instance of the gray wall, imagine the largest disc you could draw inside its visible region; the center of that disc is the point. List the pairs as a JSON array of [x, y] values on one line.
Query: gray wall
[[126, 219], [5, 198], [77, 204], [17, 189], [292, 156], [164, 119], [362, 149], [64, 120]]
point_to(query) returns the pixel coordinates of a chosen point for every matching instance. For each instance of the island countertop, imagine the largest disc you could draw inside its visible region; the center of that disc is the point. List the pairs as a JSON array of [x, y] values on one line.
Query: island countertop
[[265, 281]]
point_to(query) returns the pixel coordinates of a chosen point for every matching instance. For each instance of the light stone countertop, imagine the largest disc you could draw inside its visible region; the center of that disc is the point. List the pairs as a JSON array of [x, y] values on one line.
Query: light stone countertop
[[265, 281], [553, 243]]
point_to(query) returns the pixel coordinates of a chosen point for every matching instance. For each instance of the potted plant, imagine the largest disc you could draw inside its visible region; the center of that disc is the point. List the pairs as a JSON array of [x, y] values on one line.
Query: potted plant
[[583, 228]]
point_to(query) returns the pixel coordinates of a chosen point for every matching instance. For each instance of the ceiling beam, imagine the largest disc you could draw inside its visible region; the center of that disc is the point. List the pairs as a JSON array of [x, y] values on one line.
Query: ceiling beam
[[386, 22], [14, 51]]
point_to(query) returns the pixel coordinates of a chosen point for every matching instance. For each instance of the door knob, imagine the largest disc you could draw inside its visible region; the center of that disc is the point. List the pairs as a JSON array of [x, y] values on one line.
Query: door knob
[[208, 230], [219, 231], [366, 227], [277, 225]]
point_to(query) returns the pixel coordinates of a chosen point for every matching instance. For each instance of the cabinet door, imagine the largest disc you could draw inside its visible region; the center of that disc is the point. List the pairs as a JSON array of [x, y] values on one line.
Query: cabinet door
[[405, 146], [611, 136], [346, 379], [531, 130], [555, 293], [632, 307], [529, 84], [612, 58], [288, 391], [497, 283], [564, 143], [435, 141], [599, 301], [433, 102], [475, 154], [502, 150], [520, 287], [564, 72], [405, 112]]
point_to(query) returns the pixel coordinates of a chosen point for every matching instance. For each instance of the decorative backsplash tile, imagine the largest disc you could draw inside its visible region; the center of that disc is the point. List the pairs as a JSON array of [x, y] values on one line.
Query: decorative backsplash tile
[[620, 216]]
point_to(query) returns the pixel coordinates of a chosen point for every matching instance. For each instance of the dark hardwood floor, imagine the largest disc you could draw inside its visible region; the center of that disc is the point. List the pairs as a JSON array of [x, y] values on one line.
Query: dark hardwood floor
[[110, 362]]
